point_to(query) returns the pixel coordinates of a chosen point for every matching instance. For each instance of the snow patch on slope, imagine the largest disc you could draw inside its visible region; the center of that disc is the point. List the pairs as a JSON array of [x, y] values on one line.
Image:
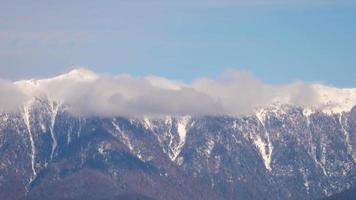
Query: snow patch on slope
[[175, 133], [264, 148], [347, 137], [54, 111], [26, 118], [124, 136], [182, 132], [266, 156], [147, 123], [176, 146], [182, 129]]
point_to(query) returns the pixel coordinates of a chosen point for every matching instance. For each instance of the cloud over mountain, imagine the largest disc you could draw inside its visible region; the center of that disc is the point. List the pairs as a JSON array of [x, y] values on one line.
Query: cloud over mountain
[[234, 93]]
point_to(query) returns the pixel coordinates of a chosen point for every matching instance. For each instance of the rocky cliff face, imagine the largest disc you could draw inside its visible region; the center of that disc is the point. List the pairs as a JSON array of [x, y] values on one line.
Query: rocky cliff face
[[281, 152]]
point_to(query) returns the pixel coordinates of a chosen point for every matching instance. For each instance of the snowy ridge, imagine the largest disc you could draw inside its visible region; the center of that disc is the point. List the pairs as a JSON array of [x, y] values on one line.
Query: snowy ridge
[[129, 142], [175, 131], [77, 75], [38, 87], [169, 123], [313, 150], [347, 137], [147, 123], [26, 118], [125, 137], [182, 132], [54, 111], [265, 149], [333, 100]]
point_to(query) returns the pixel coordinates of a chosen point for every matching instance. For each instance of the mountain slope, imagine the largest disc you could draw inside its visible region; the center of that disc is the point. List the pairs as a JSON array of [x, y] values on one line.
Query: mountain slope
[[344, 195], [278, 153]]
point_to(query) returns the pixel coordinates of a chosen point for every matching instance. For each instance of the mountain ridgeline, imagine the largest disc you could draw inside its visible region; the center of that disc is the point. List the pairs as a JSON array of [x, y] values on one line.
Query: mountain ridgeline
[[280, 152]]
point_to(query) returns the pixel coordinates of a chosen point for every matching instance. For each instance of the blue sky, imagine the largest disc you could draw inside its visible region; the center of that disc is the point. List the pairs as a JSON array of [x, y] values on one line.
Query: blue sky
[[276, 41]]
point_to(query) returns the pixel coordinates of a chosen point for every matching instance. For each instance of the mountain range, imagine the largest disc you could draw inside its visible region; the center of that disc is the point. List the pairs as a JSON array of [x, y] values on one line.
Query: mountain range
[[278, 151]]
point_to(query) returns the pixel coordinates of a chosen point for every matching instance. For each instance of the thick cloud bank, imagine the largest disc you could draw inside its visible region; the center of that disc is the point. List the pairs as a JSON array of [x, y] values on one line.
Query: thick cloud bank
[[234, 93]]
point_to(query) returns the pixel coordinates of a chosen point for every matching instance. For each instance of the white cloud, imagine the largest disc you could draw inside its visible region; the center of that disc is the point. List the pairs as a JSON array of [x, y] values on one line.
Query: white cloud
[[240, 93], [234, 93], [10, 96]]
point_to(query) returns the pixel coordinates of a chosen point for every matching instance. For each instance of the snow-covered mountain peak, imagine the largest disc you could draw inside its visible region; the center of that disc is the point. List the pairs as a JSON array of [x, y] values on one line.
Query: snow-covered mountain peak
[[79, 74], [335, 100], [327, 99], [76, 75]]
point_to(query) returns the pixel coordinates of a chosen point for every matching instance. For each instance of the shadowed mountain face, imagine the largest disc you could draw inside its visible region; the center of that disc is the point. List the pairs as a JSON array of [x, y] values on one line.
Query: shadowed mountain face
[[344, 195], [278, 153]]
